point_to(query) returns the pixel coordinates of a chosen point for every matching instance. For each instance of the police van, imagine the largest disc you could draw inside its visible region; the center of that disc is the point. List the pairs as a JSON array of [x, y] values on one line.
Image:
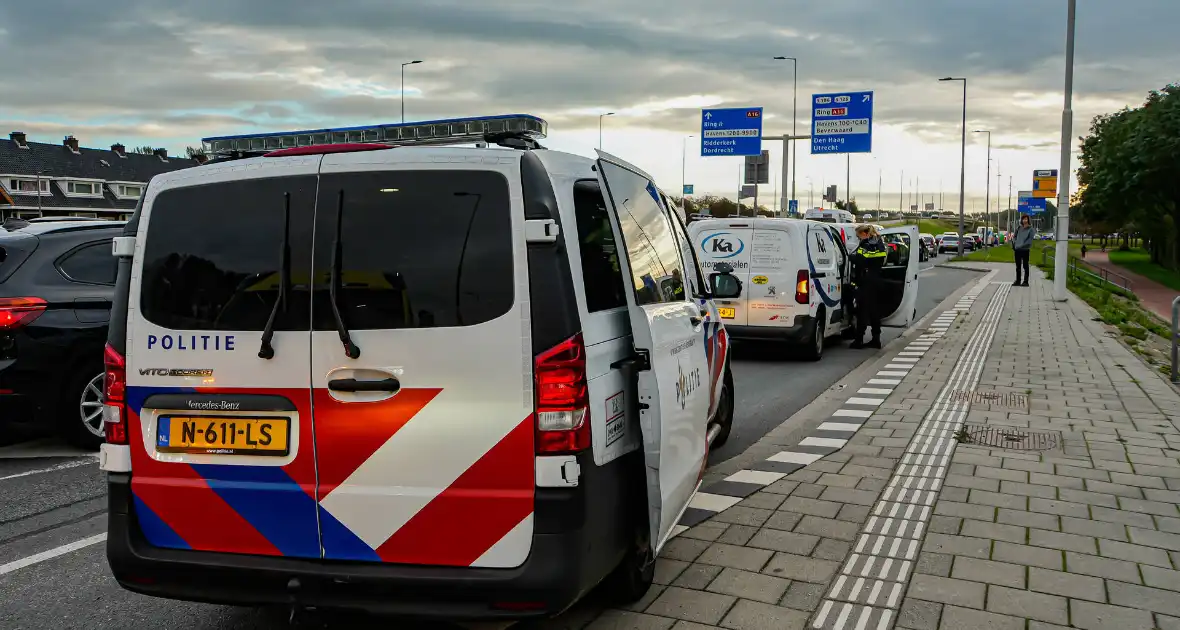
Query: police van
[[362, 368], [797, 278]]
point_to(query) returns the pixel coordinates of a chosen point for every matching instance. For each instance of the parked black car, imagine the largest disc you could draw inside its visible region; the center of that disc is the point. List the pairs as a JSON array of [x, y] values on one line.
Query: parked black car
[[56, 284]]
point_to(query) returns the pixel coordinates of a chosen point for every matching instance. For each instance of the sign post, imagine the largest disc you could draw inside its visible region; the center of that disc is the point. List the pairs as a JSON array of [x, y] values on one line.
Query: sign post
[[1045, 184], [731, 131], [842, 122]]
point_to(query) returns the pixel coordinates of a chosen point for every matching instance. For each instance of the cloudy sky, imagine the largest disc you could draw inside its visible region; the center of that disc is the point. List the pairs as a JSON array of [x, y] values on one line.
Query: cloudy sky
[[168, 73]]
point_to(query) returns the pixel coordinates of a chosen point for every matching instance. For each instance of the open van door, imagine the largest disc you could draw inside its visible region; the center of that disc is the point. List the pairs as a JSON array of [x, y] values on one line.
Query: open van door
[[900, 275], [667, 326]]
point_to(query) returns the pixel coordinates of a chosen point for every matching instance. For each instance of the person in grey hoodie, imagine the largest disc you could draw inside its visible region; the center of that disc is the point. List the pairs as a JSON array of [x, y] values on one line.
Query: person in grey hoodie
[[1022, 243]]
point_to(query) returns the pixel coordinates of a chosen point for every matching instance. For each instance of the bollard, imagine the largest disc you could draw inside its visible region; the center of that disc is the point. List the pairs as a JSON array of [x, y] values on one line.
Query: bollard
[[1175, 320]]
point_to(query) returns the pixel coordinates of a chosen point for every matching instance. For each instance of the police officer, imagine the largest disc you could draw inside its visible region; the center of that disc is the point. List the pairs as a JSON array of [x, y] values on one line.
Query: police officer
[[867, 261]]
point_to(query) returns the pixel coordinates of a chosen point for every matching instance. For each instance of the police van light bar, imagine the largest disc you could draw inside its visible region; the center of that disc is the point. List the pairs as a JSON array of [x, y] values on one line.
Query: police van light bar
[[432, 132]]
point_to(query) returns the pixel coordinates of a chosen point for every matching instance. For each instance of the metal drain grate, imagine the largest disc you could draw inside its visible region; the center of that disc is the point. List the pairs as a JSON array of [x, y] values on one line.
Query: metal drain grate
[[1006, 437], [995, 399]]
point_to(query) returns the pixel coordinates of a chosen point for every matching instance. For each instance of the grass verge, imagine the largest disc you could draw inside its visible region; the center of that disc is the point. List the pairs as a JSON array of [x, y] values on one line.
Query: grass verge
[[1139, 261]]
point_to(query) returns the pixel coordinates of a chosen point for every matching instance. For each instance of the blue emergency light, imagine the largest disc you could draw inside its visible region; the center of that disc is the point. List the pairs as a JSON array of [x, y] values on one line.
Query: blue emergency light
[[425, 133]]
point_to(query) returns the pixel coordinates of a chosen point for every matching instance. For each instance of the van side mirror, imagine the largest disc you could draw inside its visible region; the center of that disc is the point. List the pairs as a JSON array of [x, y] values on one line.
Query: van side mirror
[[723, 284]]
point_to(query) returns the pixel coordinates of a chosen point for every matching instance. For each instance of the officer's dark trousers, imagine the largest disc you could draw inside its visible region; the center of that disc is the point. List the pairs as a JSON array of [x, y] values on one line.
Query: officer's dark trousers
[[868, 311]]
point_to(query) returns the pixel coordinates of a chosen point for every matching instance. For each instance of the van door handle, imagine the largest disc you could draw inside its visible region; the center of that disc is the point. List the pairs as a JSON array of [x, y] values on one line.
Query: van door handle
[[353, 385], [819, 274], [696, 321]]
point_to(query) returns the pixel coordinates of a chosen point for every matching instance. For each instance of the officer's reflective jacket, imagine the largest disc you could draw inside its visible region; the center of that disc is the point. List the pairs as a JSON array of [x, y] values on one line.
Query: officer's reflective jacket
[[868, 259]]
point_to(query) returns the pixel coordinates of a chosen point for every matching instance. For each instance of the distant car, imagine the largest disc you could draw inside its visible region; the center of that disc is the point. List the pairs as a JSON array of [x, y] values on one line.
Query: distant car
[[931, 245], [57, 279], [866, 216]]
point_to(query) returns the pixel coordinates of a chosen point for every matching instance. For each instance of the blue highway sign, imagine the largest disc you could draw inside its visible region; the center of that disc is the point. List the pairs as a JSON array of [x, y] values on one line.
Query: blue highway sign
[[687, 189], [1027, 204], [732, 131], [793, 206], [842, 122]]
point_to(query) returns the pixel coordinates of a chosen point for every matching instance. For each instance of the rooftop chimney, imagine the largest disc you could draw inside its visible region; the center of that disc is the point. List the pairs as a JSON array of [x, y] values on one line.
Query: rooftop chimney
[[71, 143], [119, 150], [20, 139], [162, 154]]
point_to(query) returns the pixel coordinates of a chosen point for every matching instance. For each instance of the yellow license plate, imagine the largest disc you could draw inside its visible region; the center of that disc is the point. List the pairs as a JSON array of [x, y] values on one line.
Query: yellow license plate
[[223, 435], [727, 313]]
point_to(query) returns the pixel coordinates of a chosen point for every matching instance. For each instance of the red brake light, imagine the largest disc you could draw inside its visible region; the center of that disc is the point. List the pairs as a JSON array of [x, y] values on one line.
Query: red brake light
[[563, 414], [115, 395], [18, 312], [802, 287]]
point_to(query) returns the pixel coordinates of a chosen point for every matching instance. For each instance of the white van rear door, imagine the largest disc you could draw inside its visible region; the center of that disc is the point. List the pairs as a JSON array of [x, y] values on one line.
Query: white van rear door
[[823, 261], [901, 275], [728, 242], [667, 325]]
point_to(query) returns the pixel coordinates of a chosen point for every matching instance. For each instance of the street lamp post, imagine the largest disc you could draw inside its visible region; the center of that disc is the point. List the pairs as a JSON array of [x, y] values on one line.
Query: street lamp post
[[403, 90], [1060, 261], [683, 170], [794, 111], [600, 117], [987, 201], [962, 158]]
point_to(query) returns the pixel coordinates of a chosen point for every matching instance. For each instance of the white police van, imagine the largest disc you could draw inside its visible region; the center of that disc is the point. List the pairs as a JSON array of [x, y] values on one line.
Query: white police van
[[346, 371], [796, 277]]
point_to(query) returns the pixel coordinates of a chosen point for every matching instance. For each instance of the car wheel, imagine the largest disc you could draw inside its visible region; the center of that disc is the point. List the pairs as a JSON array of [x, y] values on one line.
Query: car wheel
[[813, 349], [635, 574], [724, 416], [80, 421]]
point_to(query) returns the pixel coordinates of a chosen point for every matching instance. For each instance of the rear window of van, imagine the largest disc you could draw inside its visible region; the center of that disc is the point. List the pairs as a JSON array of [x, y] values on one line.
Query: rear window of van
[[418, 249]]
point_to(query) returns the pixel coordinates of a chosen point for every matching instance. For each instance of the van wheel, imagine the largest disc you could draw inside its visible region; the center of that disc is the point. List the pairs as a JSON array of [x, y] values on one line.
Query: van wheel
[[630, 581], [813, 349], [79, 415], [724, 416]]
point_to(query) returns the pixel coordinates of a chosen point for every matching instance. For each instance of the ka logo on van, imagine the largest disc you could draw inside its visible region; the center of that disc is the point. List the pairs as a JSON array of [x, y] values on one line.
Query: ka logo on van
[[819, 243], [722, 245]]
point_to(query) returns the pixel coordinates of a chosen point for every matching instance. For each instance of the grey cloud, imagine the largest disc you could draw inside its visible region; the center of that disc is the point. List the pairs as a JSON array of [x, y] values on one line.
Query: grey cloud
[[155, 61]]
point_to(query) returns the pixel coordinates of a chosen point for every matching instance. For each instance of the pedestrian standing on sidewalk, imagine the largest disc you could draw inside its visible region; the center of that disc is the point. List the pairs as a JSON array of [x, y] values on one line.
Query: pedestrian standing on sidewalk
[[1022, 245]]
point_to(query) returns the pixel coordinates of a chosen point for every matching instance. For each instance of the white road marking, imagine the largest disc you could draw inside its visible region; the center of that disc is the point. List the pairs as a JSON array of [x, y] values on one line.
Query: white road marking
[[759, 477], [846, 427], [888, 373], [869, 402], [828, 442], [874, 391], [64, 466], [713, 502], [852, 413], [883, 381], [791, 457], [52, 553]]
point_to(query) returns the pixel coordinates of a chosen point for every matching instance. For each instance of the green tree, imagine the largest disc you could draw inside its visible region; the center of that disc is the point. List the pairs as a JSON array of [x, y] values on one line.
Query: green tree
[[1128, 173]]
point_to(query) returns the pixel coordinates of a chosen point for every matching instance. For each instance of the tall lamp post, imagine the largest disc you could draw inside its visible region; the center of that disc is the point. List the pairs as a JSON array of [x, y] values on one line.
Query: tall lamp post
[[600, 117], [987, 200], [794, 111], [683, 170], [962, 159], [1060, 261], [403, 90]]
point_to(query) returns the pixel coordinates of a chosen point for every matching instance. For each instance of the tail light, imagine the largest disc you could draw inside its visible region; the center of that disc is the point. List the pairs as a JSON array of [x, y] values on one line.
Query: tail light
[[802, 288], [115, 396], [18, 312], [563, 414]]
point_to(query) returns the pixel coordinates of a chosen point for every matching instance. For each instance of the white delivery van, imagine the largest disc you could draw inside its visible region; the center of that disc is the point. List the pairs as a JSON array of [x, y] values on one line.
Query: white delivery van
[[795, 276], [347, 371]]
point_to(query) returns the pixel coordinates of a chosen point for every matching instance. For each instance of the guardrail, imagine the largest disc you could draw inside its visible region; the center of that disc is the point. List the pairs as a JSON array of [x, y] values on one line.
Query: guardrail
[[1175, 326], [1099, 273]]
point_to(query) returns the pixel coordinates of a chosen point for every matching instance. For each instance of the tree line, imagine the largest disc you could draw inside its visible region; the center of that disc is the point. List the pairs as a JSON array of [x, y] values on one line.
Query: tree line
[[1129, 176]]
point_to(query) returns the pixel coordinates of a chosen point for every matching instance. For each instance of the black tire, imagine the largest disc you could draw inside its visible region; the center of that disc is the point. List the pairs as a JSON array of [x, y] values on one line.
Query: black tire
[[813, 348], [635, 574], [71, 425], [724, 416]]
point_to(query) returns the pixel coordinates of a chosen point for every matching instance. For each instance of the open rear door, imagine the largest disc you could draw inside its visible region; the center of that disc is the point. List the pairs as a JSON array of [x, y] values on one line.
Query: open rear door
[[900, 275], [667, 326]]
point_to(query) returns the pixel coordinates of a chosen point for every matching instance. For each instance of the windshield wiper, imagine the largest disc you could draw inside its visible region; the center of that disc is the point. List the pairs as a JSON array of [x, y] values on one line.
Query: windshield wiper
[[350, 348], [267, 351]]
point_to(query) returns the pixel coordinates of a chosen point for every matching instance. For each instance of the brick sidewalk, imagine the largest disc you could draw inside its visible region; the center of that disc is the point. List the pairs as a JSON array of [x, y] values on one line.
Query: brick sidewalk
[[906, 526]]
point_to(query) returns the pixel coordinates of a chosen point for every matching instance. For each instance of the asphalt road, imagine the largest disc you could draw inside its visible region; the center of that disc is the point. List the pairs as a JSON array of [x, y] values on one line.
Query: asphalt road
[[51, 496]]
